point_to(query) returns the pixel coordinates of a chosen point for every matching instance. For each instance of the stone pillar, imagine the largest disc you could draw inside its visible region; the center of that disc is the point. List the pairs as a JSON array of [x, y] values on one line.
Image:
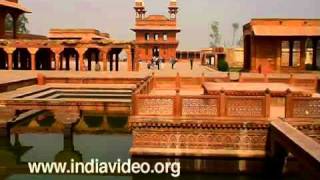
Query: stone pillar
[[68, 62], [129, 59], [9, 52], [103, 58], [33, 52], [291, 43], [267, 103], [178, 81], [111, 61], [41, 79], [278, 59], [68, 117], [117, 61], [315, 51], [216, 61], [57, 52], [15, 18], [2, 23], [222, 104], [104, 124], [254, 67], [303, 54], [90, 58], [178, 104], [81, 52]]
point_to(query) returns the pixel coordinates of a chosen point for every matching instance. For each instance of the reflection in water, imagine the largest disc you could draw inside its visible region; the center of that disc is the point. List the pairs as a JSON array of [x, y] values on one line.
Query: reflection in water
[[48, 147]]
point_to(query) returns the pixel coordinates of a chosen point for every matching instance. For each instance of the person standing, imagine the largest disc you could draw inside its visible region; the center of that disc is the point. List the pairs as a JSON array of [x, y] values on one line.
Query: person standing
[[191, 63], [173, 62], [158, 62], [153, 62]]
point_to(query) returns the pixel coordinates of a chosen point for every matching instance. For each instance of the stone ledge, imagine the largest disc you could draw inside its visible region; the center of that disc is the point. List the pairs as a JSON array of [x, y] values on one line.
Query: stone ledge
[[158, 122], [197, 153]]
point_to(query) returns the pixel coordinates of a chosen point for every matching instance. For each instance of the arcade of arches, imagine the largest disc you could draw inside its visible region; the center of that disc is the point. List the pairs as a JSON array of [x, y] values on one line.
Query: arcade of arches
[[67, 58]]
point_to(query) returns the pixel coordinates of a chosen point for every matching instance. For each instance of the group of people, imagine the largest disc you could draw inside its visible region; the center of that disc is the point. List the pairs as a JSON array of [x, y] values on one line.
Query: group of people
[[158, 62]]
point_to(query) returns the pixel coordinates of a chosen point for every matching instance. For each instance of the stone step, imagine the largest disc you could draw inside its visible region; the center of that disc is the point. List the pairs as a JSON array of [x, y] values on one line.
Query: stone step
[[89, 96], [40, 94], [100, 91], [99, 100], [49, 93]]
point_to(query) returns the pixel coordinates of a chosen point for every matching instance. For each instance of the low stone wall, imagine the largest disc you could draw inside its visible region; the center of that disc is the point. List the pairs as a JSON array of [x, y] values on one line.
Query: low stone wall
[[302, 107], [208, 125], [220, 125], [220, 105], [178, 81], [199, 138], [307, 82]]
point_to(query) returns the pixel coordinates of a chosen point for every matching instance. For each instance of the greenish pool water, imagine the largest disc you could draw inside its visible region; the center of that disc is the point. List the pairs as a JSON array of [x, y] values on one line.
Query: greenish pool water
[[110, 144], [46, 147]]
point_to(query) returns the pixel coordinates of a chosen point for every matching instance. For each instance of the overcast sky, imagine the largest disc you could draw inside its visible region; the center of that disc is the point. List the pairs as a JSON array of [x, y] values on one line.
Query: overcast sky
[[117, 16]]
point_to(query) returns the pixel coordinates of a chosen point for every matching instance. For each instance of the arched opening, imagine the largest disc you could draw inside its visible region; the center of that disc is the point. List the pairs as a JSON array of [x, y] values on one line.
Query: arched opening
[[44, 58], [123, 60], [114, 59], [69, 59], [3, 59], [92, 59], [21, 59]]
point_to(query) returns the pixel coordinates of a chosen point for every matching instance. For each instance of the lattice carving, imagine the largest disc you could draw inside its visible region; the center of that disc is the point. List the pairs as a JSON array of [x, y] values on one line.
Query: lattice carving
[[245, 107], [155, 106], [204, 140], [199, 107], [306, 108]]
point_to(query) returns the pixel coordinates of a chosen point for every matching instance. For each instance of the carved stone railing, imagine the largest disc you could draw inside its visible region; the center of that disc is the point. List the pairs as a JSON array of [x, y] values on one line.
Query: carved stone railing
[[307, 82], [145, 105], [200, 105], [302, 107], [145, 86], [178, 81], [220, 105]]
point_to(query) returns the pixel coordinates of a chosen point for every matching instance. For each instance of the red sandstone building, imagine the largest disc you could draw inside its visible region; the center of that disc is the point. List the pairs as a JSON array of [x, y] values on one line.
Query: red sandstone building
[[279, 45], [155, 34], [271, 45], [62, 49]]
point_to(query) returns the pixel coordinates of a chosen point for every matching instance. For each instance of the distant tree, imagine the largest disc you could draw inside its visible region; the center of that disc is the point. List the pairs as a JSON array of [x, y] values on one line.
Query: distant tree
[[215, 35], [21, 24], [235, 27], [240, 42]]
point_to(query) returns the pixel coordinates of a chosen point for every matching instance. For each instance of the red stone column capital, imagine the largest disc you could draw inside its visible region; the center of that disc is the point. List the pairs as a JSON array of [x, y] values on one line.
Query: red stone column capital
[[103, 57], [57, 51], [33, 52], [9, 51], [81, 52]]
